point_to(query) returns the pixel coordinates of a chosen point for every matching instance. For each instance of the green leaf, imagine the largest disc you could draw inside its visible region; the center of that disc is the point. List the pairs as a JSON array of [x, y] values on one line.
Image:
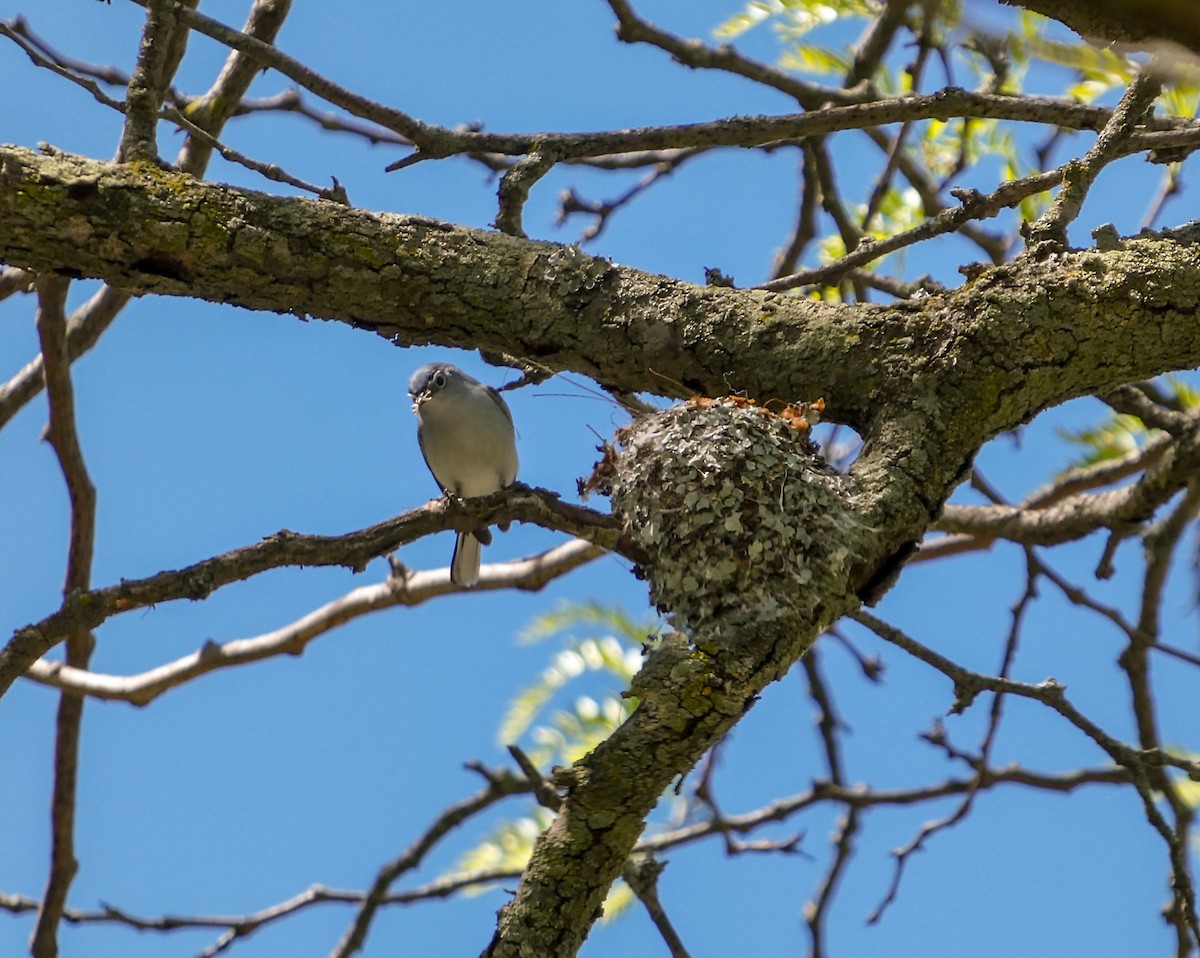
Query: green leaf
[[1114, 437], [510, 845]]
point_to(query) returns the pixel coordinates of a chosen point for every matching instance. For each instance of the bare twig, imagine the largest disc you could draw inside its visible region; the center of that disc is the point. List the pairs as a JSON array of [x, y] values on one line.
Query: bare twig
[[570, 201], [158, 58], [433, 141], [515, 186], [1142, 764], [241, 926], [405, 589], [500, 784], [353, 550], [1160, 543], [641, 875], [861, 797], [1070, 483], [633, 29], [975, 206], [1169, 187], [12, 30], [929, 829], [84, 328], [968, 685], [1080, 174], [1071, 517], [868, 52], [272, 171], [211, 111], [805, 230], [63, 437], [828, 724]]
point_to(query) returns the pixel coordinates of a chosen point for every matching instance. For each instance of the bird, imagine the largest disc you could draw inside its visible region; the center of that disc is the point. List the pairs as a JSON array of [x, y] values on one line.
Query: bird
[[466, 434]]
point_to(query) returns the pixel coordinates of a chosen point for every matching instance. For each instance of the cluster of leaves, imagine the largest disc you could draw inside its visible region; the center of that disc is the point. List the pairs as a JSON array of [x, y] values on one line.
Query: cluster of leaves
[[1121, 433], [814, 37]]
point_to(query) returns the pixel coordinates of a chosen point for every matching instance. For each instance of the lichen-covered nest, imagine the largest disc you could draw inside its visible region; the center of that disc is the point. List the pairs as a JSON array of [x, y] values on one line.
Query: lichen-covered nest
[[745, 525]]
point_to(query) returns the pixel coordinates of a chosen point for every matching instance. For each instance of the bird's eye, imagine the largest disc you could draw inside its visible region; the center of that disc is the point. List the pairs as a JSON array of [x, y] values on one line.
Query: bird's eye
[[439, 380]]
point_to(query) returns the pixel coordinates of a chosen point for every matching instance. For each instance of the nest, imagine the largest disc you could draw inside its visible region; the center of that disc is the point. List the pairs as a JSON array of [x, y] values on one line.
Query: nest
[[744, 524]]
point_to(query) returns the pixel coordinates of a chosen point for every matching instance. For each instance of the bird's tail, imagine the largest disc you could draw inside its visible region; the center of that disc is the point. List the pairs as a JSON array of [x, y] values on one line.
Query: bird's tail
[[464, 567]]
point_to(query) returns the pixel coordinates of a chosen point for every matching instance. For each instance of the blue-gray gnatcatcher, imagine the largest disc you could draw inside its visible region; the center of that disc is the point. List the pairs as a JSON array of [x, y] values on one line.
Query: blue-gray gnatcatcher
[[467, 438]]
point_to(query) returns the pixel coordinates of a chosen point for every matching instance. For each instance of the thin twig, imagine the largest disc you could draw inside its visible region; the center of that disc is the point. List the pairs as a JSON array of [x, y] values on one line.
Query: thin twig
[[407, 588], [1080, 174], [434, 141], [780, 810], [499, 785], [1160, 544], [633, 29], [64, 438], [1142, 764], [84, 328], [284, 549], [1074, 516], [641, 875], [158, 58], [816, 910], [271, 171], [930, 829], [975, 206], [212, 111], [10, 29], [571, 202]]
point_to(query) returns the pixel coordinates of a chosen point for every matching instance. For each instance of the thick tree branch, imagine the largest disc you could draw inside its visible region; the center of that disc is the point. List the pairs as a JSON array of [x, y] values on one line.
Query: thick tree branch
[[1143, 23], [161, 232]]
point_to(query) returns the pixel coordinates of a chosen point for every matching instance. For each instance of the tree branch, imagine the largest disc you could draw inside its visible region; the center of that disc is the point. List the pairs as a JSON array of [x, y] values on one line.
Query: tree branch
[[84, 329], [403, 588], [354, 550], [435, 142], [499, 785], [1079, 175], [1071, 517], [975, 206], [158, 58], [641, 875], [1143, 765], [63, 437]]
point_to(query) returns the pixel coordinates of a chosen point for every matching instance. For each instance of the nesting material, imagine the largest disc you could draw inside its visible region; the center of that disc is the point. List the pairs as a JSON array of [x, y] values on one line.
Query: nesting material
[[746, 527]]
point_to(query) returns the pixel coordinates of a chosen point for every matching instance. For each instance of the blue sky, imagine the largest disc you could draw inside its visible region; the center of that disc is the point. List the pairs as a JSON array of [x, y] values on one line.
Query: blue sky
[[206, 428]]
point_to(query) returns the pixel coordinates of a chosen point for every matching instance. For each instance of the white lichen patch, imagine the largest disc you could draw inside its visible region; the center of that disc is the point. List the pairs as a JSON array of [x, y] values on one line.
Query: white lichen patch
[[745, 526]]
